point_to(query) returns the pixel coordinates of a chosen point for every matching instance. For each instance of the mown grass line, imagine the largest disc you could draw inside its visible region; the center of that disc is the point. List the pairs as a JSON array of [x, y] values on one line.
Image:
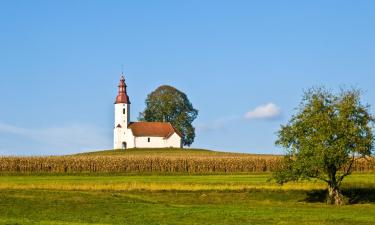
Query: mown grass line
[[171, 183]]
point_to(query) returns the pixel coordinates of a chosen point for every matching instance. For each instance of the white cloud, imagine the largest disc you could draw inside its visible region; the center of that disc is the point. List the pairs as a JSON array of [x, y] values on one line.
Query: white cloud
[[71, 138], [266, 111], [210, 126]]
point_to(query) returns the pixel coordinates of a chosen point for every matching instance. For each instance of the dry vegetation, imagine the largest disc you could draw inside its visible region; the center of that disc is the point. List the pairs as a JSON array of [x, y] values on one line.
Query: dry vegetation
[[161, 161]]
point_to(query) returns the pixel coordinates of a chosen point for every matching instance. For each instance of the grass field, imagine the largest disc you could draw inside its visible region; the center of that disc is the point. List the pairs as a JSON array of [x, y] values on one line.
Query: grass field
[[205, 187], [216, 199]]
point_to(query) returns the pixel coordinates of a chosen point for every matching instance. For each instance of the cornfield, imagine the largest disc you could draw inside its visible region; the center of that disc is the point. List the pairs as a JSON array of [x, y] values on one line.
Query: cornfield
[[152, 164]]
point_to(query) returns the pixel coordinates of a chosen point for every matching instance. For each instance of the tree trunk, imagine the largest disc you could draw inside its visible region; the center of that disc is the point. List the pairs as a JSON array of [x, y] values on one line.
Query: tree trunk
[[334, 196]]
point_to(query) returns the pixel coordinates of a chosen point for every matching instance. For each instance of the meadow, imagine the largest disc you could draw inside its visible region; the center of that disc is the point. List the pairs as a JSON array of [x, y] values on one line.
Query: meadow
[[113, 197], [207, 199]]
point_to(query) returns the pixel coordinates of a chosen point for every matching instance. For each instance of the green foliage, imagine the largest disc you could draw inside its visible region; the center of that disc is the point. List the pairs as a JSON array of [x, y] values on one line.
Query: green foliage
[[168, 104], [324, 139]]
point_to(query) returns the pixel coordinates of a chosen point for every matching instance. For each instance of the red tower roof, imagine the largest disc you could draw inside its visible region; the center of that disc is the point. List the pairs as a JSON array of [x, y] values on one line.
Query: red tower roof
[[122, 96]]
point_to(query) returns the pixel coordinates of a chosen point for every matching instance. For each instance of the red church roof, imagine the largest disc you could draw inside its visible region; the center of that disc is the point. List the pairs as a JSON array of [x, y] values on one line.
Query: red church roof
[[153, 129], [122, 96]]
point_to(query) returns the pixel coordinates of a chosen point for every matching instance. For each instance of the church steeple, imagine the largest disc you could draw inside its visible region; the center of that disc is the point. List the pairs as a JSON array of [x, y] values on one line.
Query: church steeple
[[122, 97], [122, 116]]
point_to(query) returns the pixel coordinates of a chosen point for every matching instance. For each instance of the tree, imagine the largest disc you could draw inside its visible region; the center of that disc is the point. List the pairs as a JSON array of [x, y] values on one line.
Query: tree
[[325, 138], [168, 104]]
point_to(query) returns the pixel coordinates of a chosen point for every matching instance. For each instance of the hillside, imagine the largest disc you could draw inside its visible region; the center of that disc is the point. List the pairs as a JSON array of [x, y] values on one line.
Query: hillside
[[166, 152]]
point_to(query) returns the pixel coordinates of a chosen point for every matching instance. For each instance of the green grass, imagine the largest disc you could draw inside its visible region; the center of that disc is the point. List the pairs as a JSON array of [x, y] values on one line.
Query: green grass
[[153, 151], [179, 200], [257, 207], [165, 152], [170, 183]]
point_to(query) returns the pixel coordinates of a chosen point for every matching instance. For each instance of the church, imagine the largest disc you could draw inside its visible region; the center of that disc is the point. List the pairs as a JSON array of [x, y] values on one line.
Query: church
[[140, 134]]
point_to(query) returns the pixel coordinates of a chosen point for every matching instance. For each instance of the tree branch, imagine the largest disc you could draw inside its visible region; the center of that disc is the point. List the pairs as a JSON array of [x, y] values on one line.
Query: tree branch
[[317, 176], [348, 171]]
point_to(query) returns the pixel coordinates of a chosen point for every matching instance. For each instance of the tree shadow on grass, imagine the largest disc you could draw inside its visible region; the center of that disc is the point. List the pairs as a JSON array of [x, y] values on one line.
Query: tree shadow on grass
[[353, 195], [316, 196], [360, 195]]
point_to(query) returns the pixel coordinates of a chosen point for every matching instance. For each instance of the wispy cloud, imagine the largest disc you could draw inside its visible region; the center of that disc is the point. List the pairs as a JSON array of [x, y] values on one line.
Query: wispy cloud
[[65, 139], [266, 111], [219, 124], [212, 126]]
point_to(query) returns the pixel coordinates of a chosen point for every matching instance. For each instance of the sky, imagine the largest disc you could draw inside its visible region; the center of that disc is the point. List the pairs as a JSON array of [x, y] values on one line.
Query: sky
[[243, 64]]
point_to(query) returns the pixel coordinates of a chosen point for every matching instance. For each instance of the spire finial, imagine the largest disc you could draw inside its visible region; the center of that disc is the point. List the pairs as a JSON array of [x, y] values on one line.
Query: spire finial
[[122, 71]]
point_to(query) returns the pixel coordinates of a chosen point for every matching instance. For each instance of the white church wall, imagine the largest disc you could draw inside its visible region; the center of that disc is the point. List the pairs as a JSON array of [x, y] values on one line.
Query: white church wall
[[119, 137], [130, 139], [174, 141], [120, 117], [158, 142], [150, 142]]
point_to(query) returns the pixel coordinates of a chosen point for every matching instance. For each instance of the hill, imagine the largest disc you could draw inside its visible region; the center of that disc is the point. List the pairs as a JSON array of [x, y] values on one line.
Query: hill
[[166, 152]]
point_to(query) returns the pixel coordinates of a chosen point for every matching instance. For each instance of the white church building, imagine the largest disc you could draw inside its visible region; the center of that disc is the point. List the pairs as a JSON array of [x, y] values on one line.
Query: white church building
[[140, 134]]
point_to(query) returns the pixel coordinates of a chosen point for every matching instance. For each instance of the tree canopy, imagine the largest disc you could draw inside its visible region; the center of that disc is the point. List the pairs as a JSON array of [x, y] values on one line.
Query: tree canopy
[[167, 104], [325, 137]]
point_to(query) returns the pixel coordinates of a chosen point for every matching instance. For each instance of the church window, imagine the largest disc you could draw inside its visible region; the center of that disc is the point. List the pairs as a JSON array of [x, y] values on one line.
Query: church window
[[123, 111], [149, 139]]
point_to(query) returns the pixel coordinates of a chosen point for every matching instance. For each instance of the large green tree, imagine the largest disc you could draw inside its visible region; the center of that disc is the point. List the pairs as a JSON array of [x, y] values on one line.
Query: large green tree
[[325, 137], [168, 104]]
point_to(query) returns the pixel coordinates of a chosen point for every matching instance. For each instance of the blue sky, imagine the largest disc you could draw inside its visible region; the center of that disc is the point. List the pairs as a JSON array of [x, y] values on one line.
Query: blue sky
[[60, 62]]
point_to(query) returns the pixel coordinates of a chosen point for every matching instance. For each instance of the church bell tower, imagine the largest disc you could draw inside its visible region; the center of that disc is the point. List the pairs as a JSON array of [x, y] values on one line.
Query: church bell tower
[[122, 115]]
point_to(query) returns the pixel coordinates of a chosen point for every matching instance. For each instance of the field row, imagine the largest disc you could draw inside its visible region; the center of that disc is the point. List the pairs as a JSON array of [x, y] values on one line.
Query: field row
[[237, 183], [157, 164]]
